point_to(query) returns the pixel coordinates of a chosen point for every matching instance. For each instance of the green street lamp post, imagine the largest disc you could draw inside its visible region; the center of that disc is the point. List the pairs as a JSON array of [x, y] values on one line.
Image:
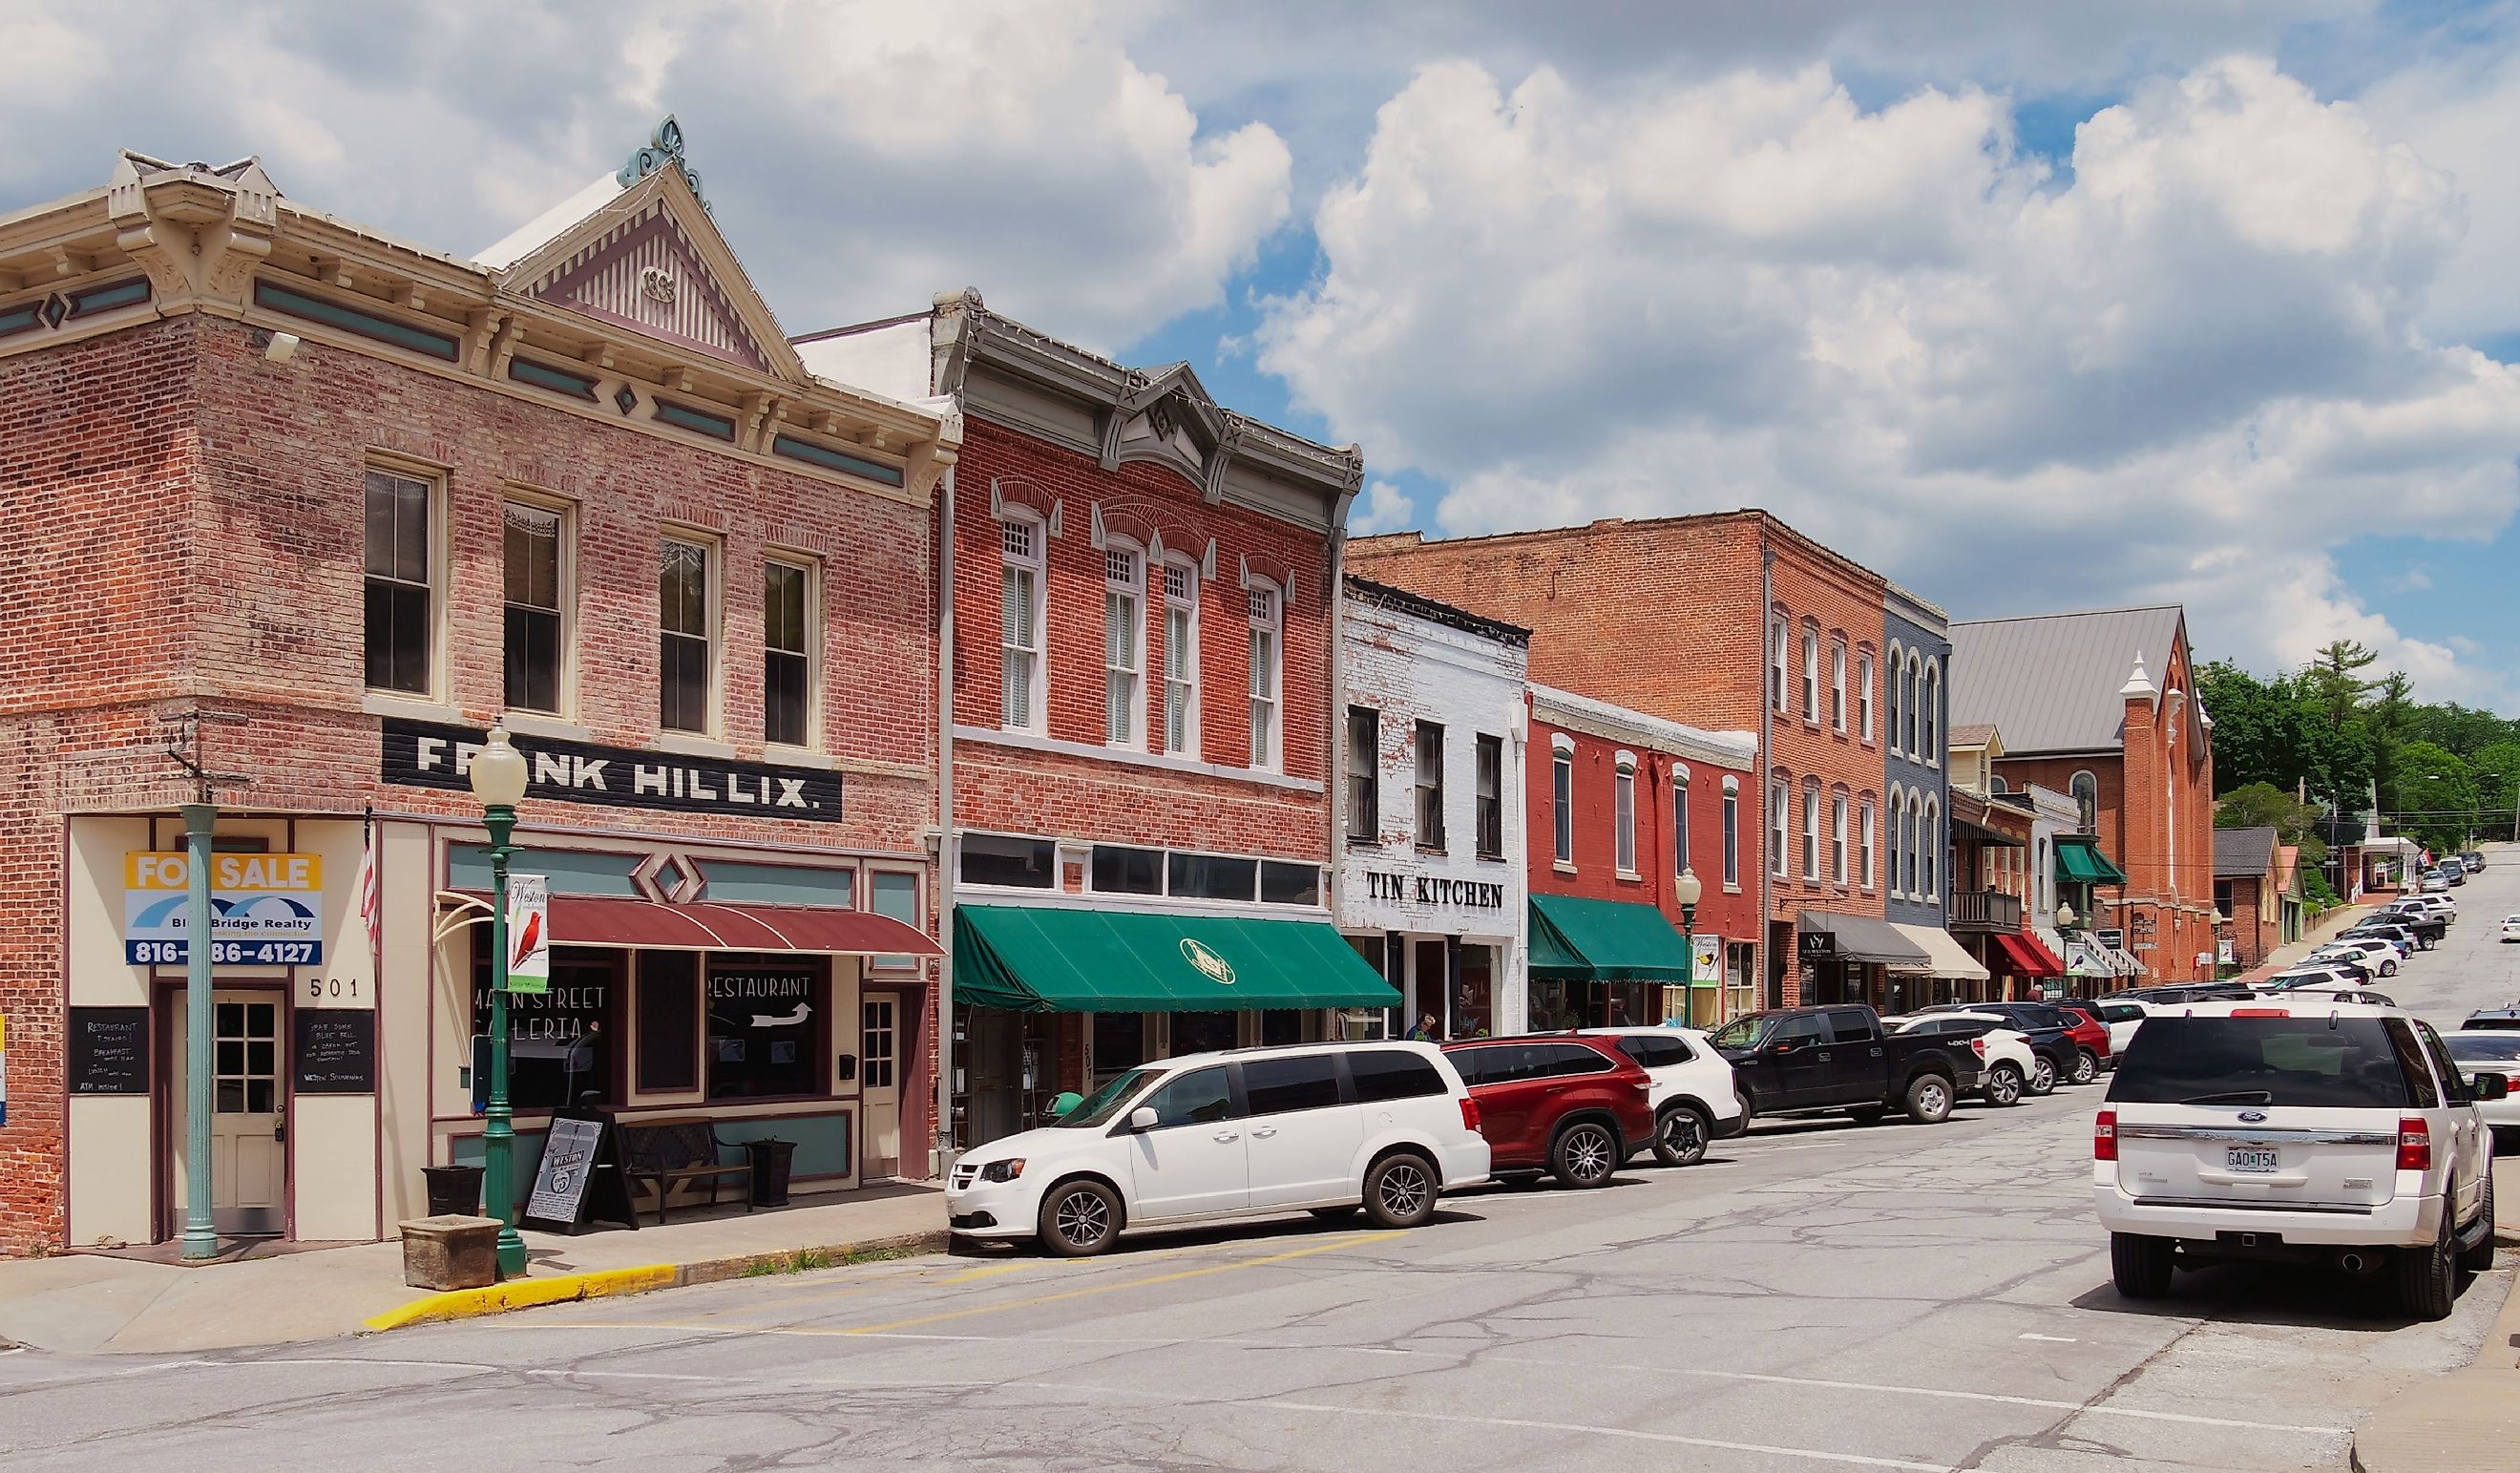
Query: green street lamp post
[[200, 1231], [1686, 891], [499, 774]]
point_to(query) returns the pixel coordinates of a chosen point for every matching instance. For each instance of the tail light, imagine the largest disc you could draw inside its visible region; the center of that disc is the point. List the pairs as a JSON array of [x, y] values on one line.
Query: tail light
[[1978, 1047], [2104, 1136], [1469, 1113], [2414, 1143], [2260, 1012]]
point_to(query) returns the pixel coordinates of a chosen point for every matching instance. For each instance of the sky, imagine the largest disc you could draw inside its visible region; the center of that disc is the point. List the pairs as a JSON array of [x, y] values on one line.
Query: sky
[[2029, 304]]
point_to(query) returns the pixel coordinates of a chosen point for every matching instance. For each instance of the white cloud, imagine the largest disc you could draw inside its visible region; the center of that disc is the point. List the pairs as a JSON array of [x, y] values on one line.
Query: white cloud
[[1385, 509], [2189, 372], [2460, 114]]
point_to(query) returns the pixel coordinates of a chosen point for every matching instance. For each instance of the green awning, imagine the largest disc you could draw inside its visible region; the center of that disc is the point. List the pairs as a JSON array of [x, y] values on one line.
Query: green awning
[[1041, 959], [1575, 940], [2079, 862]]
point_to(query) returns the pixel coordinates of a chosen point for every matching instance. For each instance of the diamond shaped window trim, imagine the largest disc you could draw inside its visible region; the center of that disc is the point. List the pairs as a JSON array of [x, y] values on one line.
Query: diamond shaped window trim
[[669, 877], [623, 397]]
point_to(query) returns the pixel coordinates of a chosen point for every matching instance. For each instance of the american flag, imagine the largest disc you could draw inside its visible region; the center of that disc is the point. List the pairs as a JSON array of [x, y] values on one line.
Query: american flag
[[371, 905]]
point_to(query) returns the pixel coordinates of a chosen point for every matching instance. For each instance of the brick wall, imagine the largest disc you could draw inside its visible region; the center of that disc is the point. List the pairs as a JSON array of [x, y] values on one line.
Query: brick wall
[[1594, 872]]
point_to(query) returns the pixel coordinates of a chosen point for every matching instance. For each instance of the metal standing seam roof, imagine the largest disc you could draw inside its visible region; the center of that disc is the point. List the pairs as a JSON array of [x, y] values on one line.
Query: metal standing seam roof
[[2243, 853], [2050, 683]]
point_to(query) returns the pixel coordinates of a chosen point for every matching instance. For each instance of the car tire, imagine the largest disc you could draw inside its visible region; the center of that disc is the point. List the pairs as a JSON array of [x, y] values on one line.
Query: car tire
[[1585, 1154], [2004, 1087], [2140, 1266], [2086, 1066], [2388, 968], [2479, 1258], [2042, 1077], [1079, 1219], [1680, 1136], [1869, 1114], [2428, 1278], [1400, 1190], [1929, 1099]]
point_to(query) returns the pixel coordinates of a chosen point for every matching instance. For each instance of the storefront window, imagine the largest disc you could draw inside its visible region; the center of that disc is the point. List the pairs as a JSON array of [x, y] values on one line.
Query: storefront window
[[1474, 994], [669, 997], [1203, 1032], [767, 1020], [990, 859], [1551, 1008], [559, 1041], [1280, 1026], [1128, 872], [1284, 884], [1212, 876], [1119, 1043]]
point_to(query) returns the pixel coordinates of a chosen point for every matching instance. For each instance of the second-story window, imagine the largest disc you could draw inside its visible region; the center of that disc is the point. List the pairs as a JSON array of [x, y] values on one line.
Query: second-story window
[[534, 642], [1181, 659], [1364, 774], [1491, 797], [684, 634], [1623, 814], [401, 592], [1811, 831], [1838, 686], [1933, 702], [1430, 785], [1864, 697], [1811, 674], [1678, 821], [1866, 823], [1124, 628], [1561, 804], [1776, 663], [787, 653], [1267, 639], [1837, 839], [1732, 833], [1777, 858], [1019, 617], [1912, 694], [1892, 678]]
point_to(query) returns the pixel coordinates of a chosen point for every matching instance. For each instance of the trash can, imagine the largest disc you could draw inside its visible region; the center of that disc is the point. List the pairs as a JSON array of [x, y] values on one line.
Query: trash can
[[771, 1162], [453, 1191]]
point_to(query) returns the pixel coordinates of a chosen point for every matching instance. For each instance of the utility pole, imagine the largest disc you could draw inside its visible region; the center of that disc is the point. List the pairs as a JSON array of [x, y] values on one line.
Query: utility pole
[[201, 820]]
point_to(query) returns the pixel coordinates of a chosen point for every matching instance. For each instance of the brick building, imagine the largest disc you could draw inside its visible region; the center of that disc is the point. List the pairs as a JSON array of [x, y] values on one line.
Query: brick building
[[1730, 621], [1622, 804], [1140, 723], [338, 503], [2249, 892], [2082, 713]]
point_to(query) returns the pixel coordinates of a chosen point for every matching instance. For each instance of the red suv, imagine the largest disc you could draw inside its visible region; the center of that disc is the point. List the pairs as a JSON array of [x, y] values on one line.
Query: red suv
[[1571, 1107], [2091, 1036]]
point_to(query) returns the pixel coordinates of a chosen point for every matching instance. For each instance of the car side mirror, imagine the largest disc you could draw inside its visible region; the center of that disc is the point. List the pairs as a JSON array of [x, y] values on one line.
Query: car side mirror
[[1142, 1118], [2487, 1086]]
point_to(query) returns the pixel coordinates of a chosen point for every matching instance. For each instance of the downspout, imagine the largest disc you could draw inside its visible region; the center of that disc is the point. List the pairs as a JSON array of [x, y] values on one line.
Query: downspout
[[948, 858], [1766, 736]]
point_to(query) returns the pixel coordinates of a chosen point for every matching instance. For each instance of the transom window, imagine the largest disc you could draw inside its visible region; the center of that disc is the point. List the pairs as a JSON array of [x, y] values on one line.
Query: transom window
[[401, 612], [683, 635]]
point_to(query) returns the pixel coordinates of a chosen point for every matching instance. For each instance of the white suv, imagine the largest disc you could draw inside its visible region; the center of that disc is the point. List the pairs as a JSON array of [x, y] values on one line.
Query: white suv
[[1694, 1097], [1321, 1128], [2012, 1066], [2302, 1129]]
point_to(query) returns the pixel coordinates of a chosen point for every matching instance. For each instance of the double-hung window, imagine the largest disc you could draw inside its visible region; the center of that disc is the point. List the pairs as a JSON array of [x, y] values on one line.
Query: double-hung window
[[1811, 674], [1430, 785], [1864, 695], [1837, 687], [535, 642], [1893, 678], [401, 563], [787, 653], [1020, 618], [1913, 696], [1561, 804], [1864, 841], [1776, 663], [1623, 816], [1124, 629], [1931, 700], [1811, 831], [686, 630], [1731, 834], [1678, 821], [1364, 774], [1837, 839], [1267, 630], [1491, 797], [1897, 837], [1778, 860], [1181, 659], [1931, 840]]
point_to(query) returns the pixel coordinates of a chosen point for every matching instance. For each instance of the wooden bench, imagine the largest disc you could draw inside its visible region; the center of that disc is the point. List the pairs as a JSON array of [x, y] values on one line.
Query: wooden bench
[[672, 1152]]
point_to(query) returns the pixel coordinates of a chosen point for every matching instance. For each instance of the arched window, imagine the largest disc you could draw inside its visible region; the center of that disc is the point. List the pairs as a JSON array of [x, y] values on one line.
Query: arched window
[[1932, 846], [1933, 702], [2086, 791], [1914, 697], [1897, 818], [1908, 870], [1891, 681], [1679, 819], [1622, 814], [1999, 785]]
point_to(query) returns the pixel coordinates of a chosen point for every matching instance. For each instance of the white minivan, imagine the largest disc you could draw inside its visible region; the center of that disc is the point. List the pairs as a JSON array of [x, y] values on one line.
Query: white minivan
[[1320, 1128]]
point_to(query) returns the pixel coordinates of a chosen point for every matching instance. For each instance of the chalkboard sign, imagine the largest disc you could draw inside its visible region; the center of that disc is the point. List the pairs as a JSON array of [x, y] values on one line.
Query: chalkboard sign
[[109, 1051], [333, 1050], [580, 1177]]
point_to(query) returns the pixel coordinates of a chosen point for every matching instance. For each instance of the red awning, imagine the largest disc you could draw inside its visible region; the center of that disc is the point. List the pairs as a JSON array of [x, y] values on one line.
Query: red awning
[[2027, 954], [614, 920]]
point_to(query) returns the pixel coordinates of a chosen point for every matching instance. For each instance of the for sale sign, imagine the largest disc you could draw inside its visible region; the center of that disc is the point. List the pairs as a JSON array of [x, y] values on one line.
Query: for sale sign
[[266, 910]]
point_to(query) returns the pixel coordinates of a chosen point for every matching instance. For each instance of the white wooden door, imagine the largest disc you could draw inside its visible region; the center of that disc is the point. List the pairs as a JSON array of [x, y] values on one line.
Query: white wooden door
[[249, 1145], [880, 1085]]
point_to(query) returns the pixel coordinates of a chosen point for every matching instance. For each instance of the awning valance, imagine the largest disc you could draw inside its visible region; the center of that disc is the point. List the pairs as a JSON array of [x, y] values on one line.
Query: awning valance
[[619, 921], [1944, 956], [1044, 959], [2025, 956], [1578, 940], [1864, 938], [2079, 862]]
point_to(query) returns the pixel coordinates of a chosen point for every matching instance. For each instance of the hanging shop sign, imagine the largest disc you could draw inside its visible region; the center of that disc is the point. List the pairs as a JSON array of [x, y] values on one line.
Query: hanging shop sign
[[1706, 962], [2111, 938], [424, 754], [529, 933], [266, 910], [1816, 945]]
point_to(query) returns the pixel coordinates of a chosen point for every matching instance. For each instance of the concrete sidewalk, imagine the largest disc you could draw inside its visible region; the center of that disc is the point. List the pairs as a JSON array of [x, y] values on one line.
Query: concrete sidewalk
[[2470, 1420], [88, 1303]]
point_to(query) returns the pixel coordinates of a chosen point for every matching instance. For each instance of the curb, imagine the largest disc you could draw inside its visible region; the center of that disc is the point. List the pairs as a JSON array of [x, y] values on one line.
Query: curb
[[566, 1288]]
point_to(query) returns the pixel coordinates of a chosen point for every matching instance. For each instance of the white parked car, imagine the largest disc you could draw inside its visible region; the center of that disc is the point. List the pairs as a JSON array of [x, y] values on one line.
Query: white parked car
[[2379, 956], [2296, 1129], [2011, 1069], [2436, 884], [1694, 1098], [2440, 906], [2490, 1052], [2511, 927], [1325, 1128], [2310, 974], [2123, 1016]]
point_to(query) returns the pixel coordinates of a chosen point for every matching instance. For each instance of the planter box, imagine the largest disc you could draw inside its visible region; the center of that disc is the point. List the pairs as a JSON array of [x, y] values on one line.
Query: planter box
[[450, 1252]]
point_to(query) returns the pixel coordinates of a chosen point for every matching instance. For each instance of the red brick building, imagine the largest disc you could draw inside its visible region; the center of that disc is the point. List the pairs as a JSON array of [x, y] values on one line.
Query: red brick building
[[2250, 874], [1731, 621], [337, 504], [1144, 586]]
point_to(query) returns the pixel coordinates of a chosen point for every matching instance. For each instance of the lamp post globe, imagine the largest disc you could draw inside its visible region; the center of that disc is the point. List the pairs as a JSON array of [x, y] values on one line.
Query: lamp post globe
[[499, 774], [2064, 917], [1687, 889]]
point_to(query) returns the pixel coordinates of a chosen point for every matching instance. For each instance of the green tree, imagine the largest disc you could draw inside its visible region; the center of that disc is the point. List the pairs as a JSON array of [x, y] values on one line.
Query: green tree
[[2463, 729], [2336, 681], [2497, 766], [2434, 796], [2391, 716], [2263, 805], [2264, 730]]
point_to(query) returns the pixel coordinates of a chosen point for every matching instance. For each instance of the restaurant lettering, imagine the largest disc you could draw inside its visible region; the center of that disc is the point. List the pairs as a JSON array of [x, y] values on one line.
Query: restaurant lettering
[[1432, 889], [423, 755]]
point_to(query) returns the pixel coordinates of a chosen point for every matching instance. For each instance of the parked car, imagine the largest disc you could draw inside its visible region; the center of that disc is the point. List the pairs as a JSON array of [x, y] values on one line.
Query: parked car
[[2511, 927], [2086, 1039], [2379, 956], [2440, 907], [2454, 870], [2473, 860], [2091, 1032], [2427, 928], [2170, 994], [2122, 1014], [2434, 882], [2314, 974], [1813, 1060], [2356, 1116], [1574, 1108], [2340, 992], [2491, 1053], [2006, 1062], [1692, 1096], [2406, 938], [1325, 1127], [2492, 1020]]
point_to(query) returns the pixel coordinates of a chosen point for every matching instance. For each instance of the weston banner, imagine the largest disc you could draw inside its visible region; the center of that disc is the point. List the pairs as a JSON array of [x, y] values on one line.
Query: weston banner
[[423, 755]]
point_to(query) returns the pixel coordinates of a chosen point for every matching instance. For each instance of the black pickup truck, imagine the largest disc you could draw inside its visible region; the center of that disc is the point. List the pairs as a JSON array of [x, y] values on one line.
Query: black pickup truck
[[1814, 1061]]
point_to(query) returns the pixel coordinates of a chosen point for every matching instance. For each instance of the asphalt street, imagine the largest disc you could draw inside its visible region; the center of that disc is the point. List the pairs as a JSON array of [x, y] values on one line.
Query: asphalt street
[[1816, 1295]]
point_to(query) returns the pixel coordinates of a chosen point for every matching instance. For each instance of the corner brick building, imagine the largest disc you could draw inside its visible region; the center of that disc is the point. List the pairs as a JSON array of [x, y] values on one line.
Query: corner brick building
[[316, 507]]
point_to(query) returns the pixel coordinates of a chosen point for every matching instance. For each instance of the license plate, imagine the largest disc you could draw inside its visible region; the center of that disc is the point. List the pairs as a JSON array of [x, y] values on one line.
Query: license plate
[[2250, 1160]]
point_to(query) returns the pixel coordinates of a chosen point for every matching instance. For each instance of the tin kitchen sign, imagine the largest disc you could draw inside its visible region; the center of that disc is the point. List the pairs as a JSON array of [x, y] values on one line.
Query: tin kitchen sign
[[266, 910], [424, 754]]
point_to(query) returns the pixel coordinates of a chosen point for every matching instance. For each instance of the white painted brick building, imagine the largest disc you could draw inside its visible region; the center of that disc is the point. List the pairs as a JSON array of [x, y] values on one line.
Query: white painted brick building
[[1428, 883]]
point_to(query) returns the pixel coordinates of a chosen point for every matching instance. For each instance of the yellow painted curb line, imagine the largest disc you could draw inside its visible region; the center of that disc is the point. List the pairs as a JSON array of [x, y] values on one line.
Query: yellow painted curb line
[[498, 1298]]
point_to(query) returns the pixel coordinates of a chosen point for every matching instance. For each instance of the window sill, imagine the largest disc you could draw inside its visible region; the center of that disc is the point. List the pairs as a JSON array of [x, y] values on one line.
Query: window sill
[[413, 708], [538, 724], [798, 756], [692, 745], [1561, 867], [1628, 875], [1496, 858], [1731, 890], [1438, 850]]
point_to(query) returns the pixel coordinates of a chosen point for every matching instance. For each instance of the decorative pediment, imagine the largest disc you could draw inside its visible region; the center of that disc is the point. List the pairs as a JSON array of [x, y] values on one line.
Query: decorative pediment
[[1169, 418]]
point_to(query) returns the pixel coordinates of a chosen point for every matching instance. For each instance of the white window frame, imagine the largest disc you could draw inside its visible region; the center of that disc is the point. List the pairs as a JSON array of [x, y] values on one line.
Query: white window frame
[[1931, 700], [1680, 825], [565, 677], [1897, 826], [812, 568], [1779, 795], [1427, 798], [1623, 814], [1124, 670], [1864, 692], [1033, 660], [1266, 604], [1914, 697], [1777, 662], [1731, 832], [432, 482], [1561, 800], [1891, 687], [713, 550], [1811, 831], [1811, 674], [1870, 819], [1837, 839], [1838, 686], [2087, 818], [1180, 573], [1929, 846]]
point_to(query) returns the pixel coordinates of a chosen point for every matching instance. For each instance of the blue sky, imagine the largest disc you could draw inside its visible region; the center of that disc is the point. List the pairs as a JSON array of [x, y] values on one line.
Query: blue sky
[[2028, 304]]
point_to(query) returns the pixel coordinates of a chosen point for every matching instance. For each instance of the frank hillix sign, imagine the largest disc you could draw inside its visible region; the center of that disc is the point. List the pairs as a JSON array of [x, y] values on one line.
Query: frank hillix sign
[[423, 754]]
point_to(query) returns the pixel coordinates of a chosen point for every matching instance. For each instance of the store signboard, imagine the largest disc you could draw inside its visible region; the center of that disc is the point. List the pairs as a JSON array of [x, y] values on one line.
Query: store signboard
[[426, 754], [266, 910]]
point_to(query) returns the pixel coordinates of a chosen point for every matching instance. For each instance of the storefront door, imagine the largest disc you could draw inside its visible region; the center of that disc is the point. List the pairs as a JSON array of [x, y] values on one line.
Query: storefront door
[[248, 1132], [880, 1084]]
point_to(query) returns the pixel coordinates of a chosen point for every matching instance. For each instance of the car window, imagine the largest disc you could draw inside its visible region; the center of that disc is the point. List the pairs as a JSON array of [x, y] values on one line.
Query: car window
[[1302, 1082], [2443, 1064], [1847, 1026], [1382, 1073], [1653, 1052], [1964, 1028], [2410, 1058], [1801, 1031], [1474, 1065], [2120, 1012], [1202, 1097], [1104, 1103], [2287, 1061], [1564, 1060], [2482, 1048], [1741, 1032]]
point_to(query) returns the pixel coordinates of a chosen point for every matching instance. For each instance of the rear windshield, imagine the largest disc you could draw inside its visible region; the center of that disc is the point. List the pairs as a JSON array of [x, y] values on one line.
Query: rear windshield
[[2306, 1062]]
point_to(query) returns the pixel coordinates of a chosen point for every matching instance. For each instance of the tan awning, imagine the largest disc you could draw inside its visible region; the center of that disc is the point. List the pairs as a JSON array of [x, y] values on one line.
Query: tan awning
[[1944, 956]]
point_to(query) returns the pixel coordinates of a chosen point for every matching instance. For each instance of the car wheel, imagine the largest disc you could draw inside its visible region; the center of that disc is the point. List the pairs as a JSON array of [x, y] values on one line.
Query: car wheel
[[2428, 1278], [2086, 1066], [1929, 1099], [2388, 968], [2042, 1076], [2480, 1258], [1079, 1220], [1681, 1137], [1400, 1190], [2140, 1266], [1584, 1155], [2003, 1086]]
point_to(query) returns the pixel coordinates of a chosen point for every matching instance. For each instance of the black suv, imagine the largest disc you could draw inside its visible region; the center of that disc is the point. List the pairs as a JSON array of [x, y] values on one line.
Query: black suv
[[2048, 1029]]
